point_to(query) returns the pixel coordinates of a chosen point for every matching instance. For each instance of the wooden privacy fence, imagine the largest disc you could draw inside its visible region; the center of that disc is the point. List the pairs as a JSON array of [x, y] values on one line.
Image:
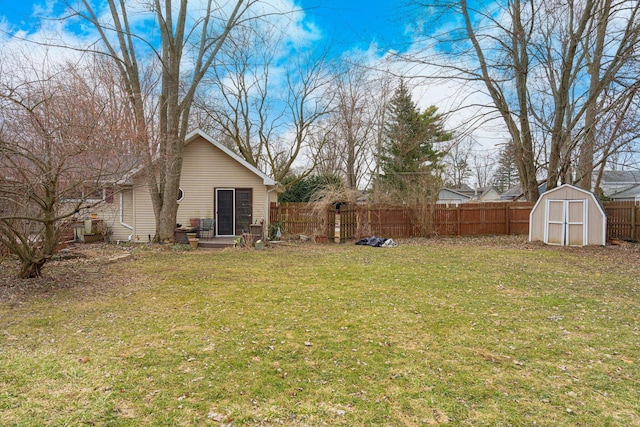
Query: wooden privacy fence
[[467, 219], [623, 220], [405, 220]]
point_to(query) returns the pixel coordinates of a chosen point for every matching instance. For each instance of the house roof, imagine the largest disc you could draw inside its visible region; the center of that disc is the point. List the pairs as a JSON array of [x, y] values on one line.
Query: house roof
[[516, 192], [621, 177], [512, 192], [266, 180], [469, 192], [459, 192], [628, 193]]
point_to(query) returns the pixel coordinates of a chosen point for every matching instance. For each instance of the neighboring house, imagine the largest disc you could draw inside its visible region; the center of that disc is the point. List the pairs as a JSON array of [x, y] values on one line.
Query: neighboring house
[[467, 194], [215, 183], [631, 194], [621, 185], [516, 194], [452, 196], [488, 194]]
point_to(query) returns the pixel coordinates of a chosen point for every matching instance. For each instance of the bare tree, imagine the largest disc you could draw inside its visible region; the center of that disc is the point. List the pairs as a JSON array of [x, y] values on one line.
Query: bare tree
[[189, 41], [483, 165], [505, 174], [63, 138], [546, 66], [351, 128], [617, 137], [266, 106], [457, 162]]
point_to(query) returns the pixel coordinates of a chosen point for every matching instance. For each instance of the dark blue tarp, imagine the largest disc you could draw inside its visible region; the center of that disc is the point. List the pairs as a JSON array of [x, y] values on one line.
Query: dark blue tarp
[[374, 241]]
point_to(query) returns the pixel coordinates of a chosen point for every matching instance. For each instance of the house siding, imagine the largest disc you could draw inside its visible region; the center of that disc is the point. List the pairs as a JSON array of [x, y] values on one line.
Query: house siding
[[120, 232], [144, 223], [490, 196], [205, 167], [110, 214], [127, 207]]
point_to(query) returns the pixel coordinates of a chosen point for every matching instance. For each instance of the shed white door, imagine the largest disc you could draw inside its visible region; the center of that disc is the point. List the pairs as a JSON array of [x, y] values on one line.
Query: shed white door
[[566, 223]]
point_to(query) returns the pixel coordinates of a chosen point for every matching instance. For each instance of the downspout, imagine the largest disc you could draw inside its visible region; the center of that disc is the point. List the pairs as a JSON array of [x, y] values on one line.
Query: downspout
[[268, 208], [267, 212]]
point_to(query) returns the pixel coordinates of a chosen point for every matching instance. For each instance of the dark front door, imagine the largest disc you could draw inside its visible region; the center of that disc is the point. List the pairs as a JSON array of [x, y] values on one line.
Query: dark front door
[[225, 202], [243, 210]]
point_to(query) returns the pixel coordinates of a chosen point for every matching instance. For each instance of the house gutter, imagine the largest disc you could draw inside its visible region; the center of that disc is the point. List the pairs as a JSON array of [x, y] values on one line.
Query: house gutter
[[122, 223], [278, 188]]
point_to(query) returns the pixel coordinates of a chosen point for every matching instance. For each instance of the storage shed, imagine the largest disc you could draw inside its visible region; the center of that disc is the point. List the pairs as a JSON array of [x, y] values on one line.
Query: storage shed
[[568, 216]]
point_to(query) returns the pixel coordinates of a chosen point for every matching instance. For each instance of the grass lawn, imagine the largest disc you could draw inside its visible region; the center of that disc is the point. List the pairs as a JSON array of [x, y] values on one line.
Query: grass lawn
[[449, 331]]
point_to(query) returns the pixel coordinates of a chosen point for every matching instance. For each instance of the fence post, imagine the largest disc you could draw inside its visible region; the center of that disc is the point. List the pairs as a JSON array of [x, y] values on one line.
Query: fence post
[[634, 228], [508, 218], [328, 218]]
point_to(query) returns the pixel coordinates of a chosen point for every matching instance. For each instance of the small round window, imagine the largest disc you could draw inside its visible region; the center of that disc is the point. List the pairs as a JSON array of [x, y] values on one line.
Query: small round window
[[180, 194]]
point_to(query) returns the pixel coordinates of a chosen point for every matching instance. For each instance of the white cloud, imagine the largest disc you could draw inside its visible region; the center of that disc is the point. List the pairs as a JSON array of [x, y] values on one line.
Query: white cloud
[[464, 104]]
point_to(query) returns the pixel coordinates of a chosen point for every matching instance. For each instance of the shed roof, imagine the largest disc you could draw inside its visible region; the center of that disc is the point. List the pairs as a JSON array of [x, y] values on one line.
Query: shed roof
[[586, 193]]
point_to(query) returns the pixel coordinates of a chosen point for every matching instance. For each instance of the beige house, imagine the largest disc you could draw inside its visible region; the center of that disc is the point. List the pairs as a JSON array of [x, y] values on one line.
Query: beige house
[[216, 183], [568, 216]]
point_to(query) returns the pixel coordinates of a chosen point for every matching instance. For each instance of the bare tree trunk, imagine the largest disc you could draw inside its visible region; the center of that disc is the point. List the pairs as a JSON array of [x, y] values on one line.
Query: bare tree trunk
[[587, 149], [552, 69], [559, 133], [521, 135], [164, 162]]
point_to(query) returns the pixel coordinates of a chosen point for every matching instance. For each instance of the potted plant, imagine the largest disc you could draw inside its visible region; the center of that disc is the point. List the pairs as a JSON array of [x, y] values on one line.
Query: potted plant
[[195, 220], [194, 242], [321, 238]]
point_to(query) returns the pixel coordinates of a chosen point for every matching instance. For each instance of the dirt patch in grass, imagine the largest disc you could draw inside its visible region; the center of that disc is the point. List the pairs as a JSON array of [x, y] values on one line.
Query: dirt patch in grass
[[81, 267]]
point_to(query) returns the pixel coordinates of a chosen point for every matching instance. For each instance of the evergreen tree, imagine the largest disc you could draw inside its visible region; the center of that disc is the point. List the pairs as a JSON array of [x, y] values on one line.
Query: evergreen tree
[[506, 175], [409, 163], [303, 189]]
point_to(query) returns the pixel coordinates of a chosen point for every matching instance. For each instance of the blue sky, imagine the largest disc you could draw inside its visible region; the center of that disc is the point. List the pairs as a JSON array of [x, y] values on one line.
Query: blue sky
[[345, 24], [20, 13], [358, 23]]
